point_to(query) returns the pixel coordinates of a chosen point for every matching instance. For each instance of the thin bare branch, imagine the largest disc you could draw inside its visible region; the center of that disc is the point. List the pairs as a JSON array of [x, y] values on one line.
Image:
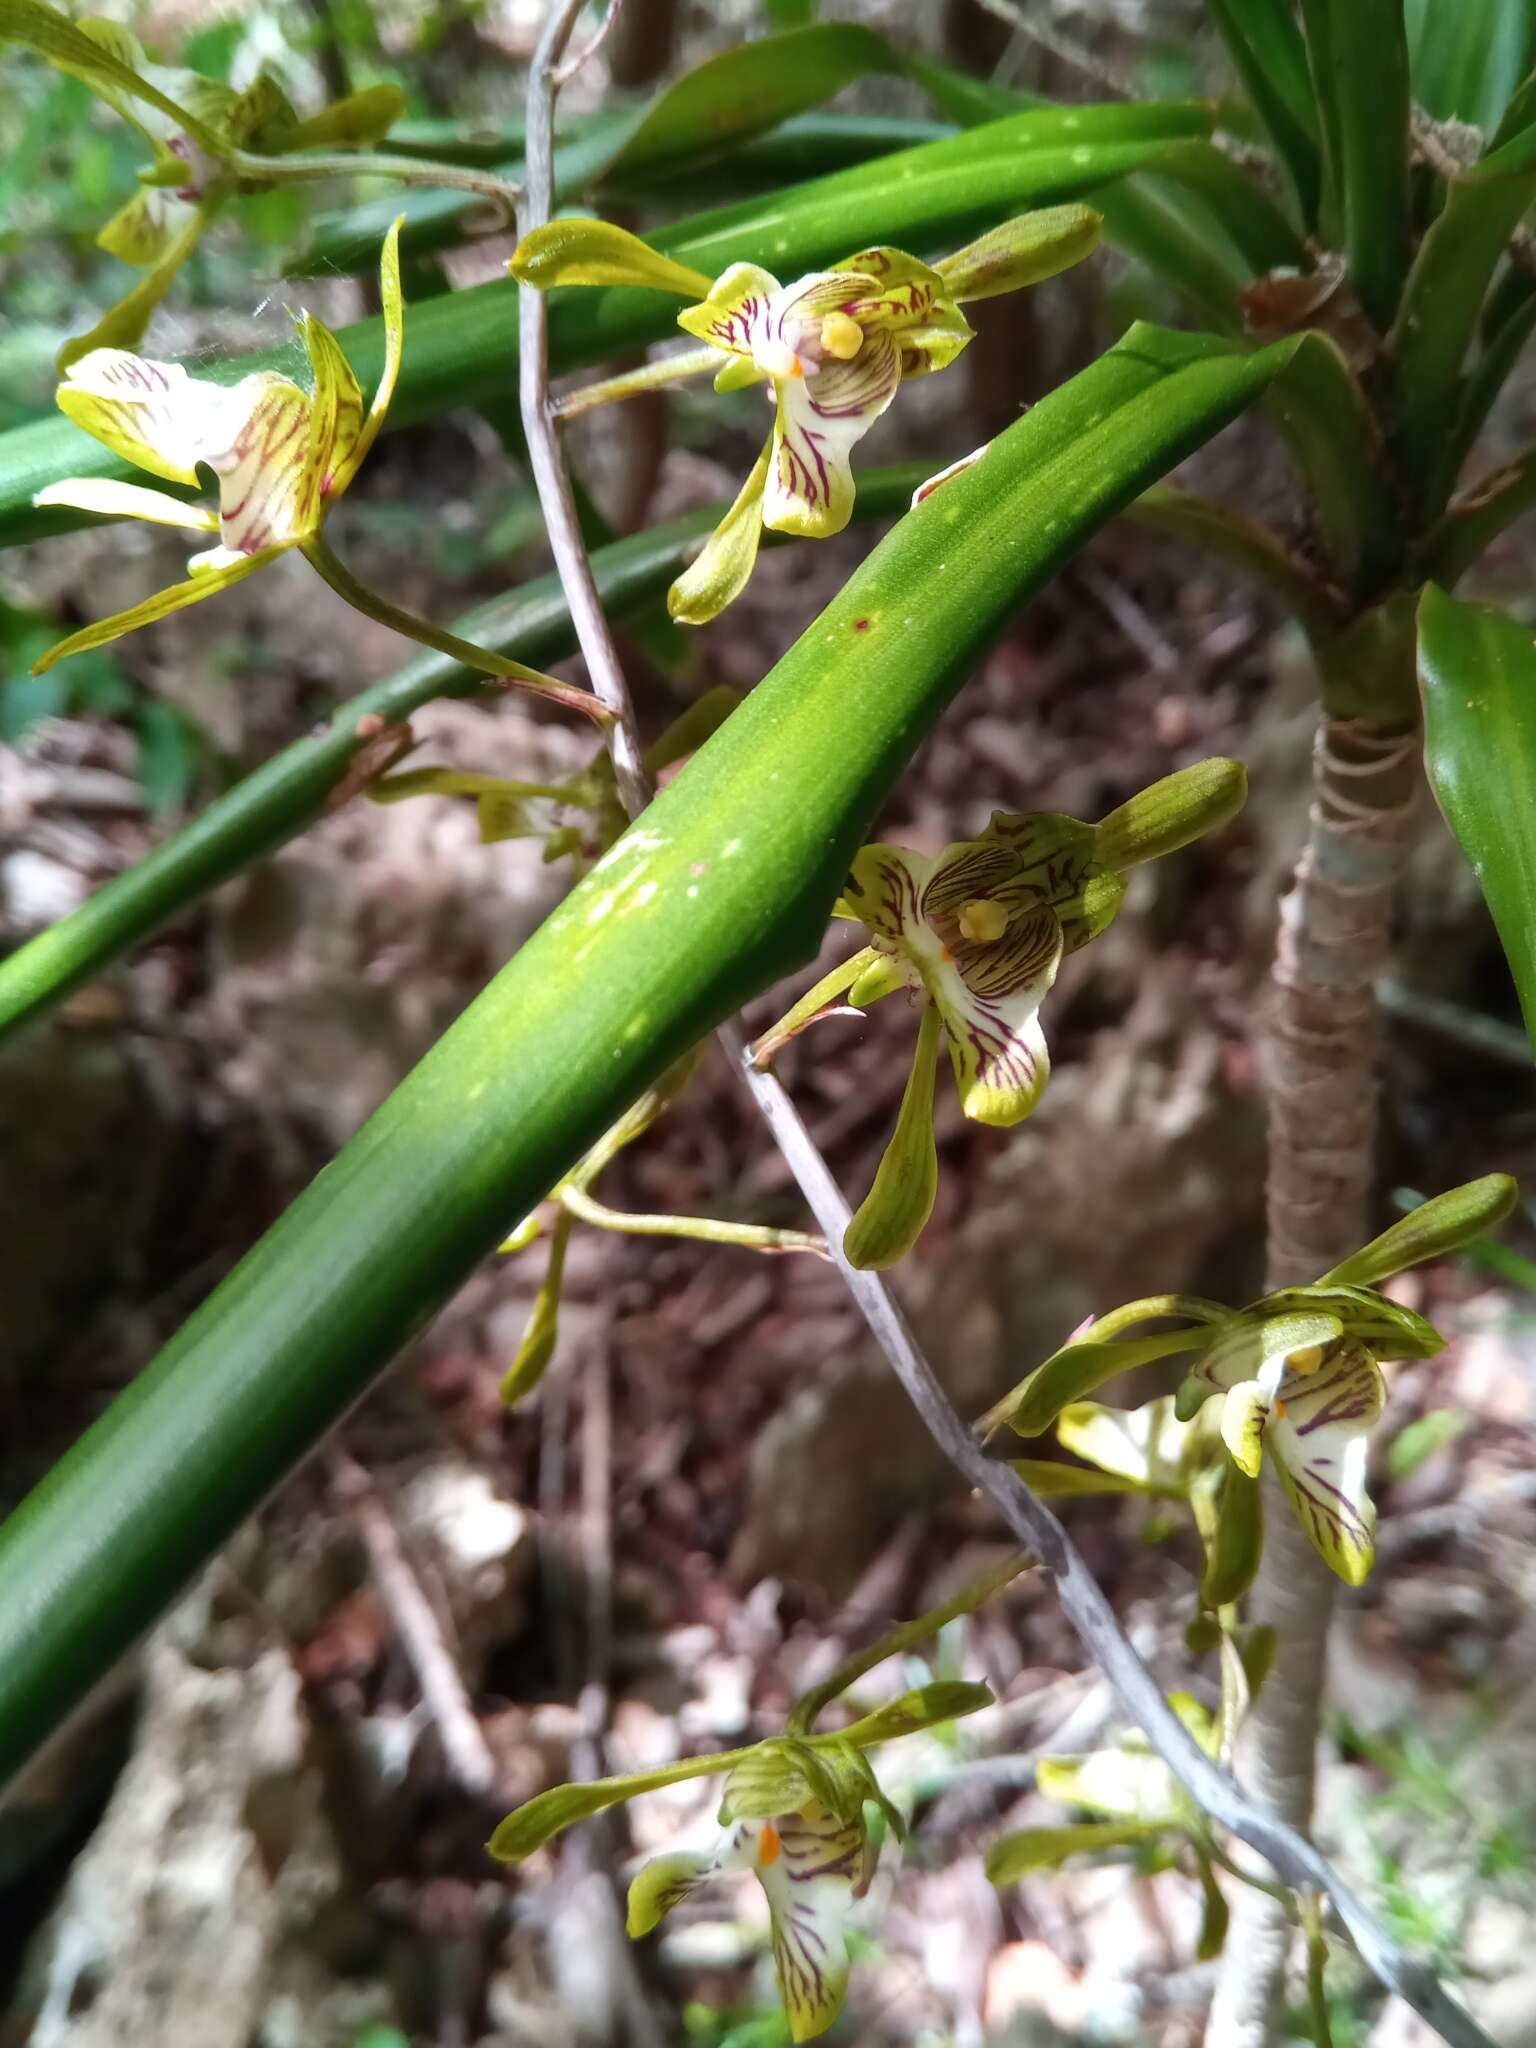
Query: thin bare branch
[[550, 475]]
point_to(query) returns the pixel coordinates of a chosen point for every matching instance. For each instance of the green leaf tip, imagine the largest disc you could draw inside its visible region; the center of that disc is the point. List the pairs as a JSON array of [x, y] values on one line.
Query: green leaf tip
[[1027, 1850], [948, 1699], [564, 252]]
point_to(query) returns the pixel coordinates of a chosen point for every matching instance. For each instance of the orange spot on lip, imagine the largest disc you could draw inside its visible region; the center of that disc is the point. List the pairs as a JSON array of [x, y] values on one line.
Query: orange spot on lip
[[768, 1844], [1280, 1408]]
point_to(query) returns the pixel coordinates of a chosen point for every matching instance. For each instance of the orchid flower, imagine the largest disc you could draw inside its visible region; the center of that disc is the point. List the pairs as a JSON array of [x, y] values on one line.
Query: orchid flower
[[282, 455], [792, 1813], [1298, 1373], [976, 935], [831, 347]]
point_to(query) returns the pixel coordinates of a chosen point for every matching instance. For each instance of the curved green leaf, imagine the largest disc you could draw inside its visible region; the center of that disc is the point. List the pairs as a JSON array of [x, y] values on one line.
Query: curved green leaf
[[1442, 302], [1467, 59], [1026, 1850], [461, 348], [1477, 672], [745, 90], [1199, 221], [1358, 50], [723, 885], [1270, 58]]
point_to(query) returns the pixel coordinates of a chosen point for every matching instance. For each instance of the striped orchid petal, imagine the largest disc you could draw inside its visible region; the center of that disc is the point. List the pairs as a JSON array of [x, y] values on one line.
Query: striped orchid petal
[[962, 926], [738, 306], [821, 419], [812, 1866], [153, 414], [910, 304], [1318, 1432]]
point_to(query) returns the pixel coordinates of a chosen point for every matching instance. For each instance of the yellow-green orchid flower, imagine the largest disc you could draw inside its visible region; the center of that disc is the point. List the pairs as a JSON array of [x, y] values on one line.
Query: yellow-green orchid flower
[[1298, 1373], [1300, 1382], [832, 347], [809, 1848], [792, 1813], [980, 929], [282, 455], [976, 934]]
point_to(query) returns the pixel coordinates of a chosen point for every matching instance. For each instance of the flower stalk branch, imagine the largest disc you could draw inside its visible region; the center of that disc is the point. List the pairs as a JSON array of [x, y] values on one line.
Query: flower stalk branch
[[322, 558]]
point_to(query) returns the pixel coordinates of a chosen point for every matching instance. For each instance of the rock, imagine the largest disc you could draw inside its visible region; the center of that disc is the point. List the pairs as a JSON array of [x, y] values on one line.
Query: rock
[[478, 1549], [214, 1855]]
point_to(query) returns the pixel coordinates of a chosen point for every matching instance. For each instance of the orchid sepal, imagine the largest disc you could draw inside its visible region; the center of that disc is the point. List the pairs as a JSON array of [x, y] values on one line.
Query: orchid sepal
[[595, 252]]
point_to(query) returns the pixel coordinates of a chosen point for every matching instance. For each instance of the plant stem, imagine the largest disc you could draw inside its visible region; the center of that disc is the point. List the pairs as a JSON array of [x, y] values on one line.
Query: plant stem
[[755, 1237], [405, 170], [550, 475], [905, 1636], [1322, 1100], [318, 553], [688, 362]]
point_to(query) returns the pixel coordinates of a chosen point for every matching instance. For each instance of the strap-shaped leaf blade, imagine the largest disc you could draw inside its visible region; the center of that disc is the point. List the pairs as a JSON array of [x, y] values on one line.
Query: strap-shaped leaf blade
[[721, 886], [1270, 58], [1477, 672], [1358, 50]]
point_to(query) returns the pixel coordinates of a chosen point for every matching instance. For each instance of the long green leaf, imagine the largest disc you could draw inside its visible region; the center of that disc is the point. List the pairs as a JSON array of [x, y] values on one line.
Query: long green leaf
[[1477, 671], [1468, 58], [721, 886], [1359, 56], [1200, 223], [1270, 58], [1325, 417], [288, 793], [727, 100], [1441, 304], [462, 348]]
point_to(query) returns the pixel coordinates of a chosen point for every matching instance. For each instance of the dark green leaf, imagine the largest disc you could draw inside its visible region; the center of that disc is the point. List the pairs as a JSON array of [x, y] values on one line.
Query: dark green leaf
[[1265, 46], [1359, 56], [1477, 671], [1468, 58], [1441, 304]]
